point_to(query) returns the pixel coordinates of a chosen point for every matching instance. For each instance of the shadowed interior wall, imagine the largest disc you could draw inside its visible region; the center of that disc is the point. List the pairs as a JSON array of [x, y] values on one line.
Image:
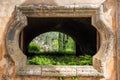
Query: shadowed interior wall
[[80, 29]]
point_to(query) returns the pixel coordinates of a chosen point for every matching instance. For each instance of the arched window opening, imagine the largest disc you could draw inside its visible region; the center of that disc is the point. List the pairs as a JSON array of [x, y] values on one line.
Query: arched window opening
[[52, 48], [84, 35], [80, 29], [96, 39], [55, 48], [59, 41]]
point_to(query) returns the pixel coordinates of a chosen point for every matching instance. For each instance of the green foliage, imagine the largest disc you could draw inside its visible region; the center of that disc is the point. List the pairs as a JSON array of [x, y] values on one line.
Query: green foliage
[[60, 40], [70, 44], [43, 60], [60, 60], [69, 50], [33, 48], [61, 49], [55, 45], [85, 60], [54, 41], [61, 78], [74, 78], [65, 42]]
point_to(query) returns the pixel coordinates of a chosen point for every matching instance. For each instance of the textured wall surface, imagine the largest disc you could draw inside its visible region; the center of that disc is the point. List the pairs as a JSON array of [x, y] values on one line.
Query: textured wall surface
[[118, 37], [7, 67]]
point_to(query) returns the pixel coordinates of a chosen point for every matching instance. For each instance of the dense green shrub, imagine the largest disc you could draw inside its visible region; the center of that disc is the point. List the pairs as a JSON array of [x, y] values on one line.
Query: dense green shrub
[[61, 78], [60, 60], [33, 48]]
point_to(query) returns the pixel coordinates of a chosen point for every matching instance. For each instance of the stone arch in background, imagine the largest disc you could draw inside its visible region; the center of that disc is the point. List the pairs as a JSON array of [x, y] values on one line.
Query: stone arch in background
[[80, 29]]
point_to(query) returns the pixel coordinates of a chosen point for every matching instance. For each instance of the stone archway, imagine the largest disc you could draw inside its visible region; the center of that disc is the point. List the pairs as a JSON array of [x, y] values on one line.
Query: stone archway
[[83, 33]]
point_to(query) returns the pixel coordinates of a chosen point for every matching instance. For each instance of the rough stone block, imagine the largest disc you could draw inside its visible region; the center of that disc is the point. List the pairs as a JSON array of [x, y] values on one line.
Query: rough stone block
[[58, 70], [29, 70], [87, 71]]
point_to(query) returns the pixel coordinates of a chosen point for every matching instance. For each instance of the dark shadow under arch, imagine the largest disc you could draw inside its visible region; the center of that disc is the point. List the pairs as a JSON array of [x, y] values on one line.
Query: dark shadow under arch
[[80, 29]]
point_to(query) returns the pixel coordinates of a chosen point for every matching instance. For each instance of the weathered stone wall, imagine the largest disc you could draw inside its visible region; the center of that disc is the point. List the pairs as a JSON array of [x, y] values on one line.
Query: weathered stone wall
[[6, 10], [118, 37], [110, 12], [7, 67]]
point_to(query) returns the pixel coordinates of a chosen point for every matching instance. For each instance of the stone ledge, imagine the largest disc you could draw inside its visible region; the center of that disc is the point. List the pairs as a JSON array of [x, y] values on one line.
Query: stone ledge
[[59, 11], [58, 71]]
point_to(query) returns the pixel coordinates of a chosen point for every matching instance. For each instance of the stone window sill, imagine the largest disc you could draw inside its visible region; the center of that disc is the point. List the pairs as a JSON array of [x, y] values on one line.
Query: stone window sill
[[54, 70]]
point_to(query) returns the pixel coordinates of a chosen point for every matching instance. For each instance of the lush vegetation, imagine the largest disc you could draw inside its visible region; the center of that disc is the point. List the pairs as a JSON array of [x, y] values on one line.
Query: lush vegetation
[[72, 78], [55, 50], [60, 60], [33, 48]]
